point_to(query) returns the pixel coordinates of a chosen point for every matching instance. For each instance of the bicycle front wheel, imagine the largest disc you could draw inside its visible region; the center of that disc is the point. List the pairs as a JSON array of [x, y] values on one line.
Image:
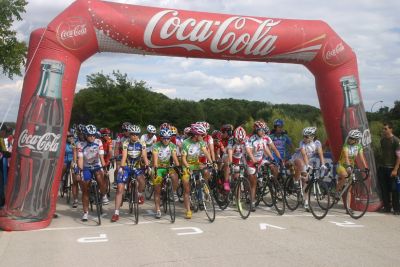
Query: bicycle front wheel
[[171, 202], [135, 198], [278, 196], [208, 202], [319, 199], [244, 201], [69, 187], [292, 194], [98, 203], [357, 199], [148, 189]]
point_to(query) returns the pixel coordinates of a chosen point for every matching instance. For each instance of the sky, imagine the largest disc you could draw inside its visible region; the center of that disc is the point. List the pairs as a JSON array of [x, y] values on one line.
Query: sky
[[370, 27]]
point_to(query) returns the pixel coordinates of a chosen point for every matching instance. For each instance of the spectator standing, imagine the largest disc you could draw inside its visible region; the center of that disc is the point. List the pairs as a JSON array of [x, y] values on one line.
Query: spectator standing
[[387, 172]]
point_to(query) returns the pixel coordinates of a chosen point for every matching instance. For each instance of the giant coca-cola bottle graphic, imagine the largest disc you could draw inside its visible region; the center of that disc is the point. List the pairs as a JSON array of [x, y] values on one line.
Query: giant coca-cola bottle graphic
[[354, 117], [38, 147]]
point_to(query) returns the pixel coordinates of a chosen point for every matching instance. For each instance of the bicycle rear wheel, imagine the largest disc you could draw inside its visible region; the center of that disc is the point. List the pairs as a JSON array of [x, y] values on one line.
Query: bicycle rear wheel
[[135, 200], [357, 199], [319, 199], [244, 201], [221, 196], [208, 202], [171, 201], [278, 196], [69, 187], [62, 185], [179, 191], [292, 195]]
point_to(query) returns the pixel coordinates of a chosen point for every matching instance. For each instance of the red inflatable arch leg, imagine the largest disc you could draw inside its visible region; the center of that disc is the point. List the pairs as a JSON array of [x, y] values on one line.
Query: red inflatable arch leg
[[90, 26]]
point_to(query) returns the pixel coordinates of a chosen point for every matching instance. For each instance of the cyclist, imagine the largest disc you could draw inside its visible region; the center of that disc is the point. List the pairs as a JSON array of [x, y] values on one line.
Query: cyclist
[[256, 149], [68, 163], [218, 146], [310, 149], [118, 148], [350, 151], [186, 133], [90, 162], [236, 152], [149, 139], [132, 151], [209, 143], [163, 151], [80, 132], [191, 149], [108, 148], [281, 141]]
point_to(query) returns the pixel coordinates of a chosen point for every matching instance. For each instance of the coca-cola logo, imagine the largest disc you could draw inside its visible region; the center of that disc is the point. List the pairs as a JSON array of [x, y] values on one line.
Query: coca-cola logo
[[41, 143], [166, 25], [72, 33], [334, 52], [366, 138]]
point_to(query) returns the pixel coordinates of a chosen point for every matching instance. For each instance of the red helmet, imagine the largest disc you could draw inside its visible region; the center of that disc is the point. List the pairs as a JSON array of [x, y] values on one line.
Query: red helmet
[[104, 131], [198, 129], [205, 124], [259, 125], [216, 135], [240, 134]]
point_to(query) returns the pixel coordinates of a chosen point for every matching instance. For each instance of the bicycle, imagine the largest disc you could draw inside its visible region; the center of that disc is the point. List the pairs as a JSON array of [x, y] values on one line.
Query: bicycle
[[107, 179], [270, 190], [200, 195], [244, 201], [66, 184], [355, 193], [167, 194], [318, 196], [148, 187], [133, 193], [95, 196]]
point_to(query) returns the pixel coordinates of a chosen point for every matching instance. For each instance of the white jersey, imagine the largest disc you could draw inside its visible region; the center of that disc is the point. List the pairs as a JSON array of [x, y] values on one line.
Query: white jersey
[[257, 145], [90, 152], [310, 148], [238, 149], [149, 141]]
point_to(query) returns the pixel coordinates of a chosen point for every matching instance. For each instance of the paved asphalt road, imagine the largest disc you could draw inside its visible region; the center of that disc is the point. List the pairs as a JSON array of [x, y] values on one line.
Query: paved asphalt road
[[264, 239]]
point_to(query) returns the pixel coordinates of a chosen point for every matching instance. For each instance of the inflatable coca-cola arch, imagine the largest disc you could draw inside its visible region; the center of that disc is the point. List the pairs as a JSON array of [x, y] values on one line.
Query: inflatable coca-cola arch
[[90, 26]]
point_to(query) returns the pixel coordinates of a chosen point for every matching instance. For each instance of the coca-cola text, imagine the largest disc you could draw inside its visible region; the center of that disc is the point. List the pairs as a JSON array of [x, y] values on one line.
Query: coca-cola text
[[47, 142]]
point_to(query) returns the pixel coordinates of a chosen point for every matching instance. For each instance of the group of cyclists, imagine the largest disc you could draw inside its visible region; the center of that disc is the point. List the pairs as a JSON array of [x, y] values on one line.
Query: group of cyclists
[[91, 153]]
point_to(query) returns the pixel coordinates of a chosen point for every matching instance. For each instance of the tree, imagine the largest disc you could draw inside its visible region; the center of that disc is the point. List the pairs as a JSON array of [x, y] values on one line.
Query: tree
[[12, 51]]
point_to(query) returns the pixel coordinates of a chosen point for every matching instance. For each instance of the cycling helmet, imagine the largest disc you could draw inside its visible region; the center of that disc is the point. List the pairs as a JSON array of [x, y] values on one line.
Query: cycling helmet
[[165, 133], [81, 128], [278, 123], [165, 125], [125, 125], [239, 134], [355, 134], [133, 129], [205, 124], [90, 129], [98, 134], [151, 129], [309, 131], [227, 128], [259, 125], [198, 129], [105, 131], [187, 130], [216, 135], [174, 131]]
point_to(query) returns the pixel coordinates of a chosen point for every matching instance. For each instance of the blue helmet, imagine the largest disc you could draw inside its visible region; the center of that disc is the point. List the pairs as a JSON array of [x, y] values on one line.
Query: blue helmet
[[165, 133], [90, 129], [278, 123]]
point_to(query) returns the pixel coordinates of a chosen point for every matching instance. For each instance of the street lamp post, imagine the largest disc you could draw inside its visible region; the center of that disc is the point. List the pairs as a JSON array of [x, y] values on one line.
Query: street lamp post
[[380, 101]]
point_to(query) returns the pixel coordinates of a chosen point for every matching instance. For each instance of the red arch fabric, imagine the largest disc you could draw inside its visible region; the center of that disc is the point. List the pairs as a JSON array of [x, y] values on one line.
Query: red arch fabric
[[87, 27]]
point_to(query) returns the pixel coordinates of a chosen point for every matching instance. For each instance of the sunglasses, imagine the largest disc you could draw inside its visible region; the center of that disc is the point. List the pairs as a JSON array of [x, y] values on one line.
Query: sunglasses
[[90, 135], [105, 135], [308, 136], [133, 134], [69, 136], [166, 138]]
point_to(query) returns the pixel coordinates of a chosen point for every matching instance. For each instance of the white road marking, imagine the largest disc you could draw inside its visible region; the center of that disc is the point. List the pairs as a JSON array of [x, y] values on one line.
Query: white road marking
[[263, 226], [93, 239], [347, 224], [192, 230]]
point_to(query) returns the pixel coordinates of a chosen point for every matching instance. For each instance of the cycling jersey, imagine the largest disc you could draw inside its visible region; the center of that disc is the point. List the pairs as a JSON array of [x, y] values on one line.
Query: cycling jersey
[[192, 151], [90, 152], [282, 143], [134, 151], [353, 151], [69, 153], [208, 141], [238, 150], [149, 141], [121, 139], [257, 144], [164, 153], [107, 152], [310, 148]]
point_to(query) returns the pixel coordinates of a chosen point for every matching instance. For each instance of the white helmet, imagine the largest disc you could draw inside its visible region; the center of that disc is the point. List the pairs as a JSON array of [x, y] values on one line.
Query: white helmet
[[355, 134], [90, 129], [151, 129], [133, 129], [198, 129], [309, 131]]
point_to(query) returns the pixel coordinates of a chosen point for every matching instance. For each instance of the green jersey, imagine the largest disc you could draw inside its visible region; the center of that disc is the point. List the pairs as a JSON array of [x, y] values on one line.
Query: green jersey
[[164, 153], [192, 150], [352, 151]]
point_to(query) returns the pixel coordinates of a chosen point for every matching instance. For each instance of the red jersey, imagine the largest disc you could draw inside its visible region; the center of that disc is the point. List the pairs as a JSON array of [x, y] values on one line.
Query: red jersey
[[107, 146]]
